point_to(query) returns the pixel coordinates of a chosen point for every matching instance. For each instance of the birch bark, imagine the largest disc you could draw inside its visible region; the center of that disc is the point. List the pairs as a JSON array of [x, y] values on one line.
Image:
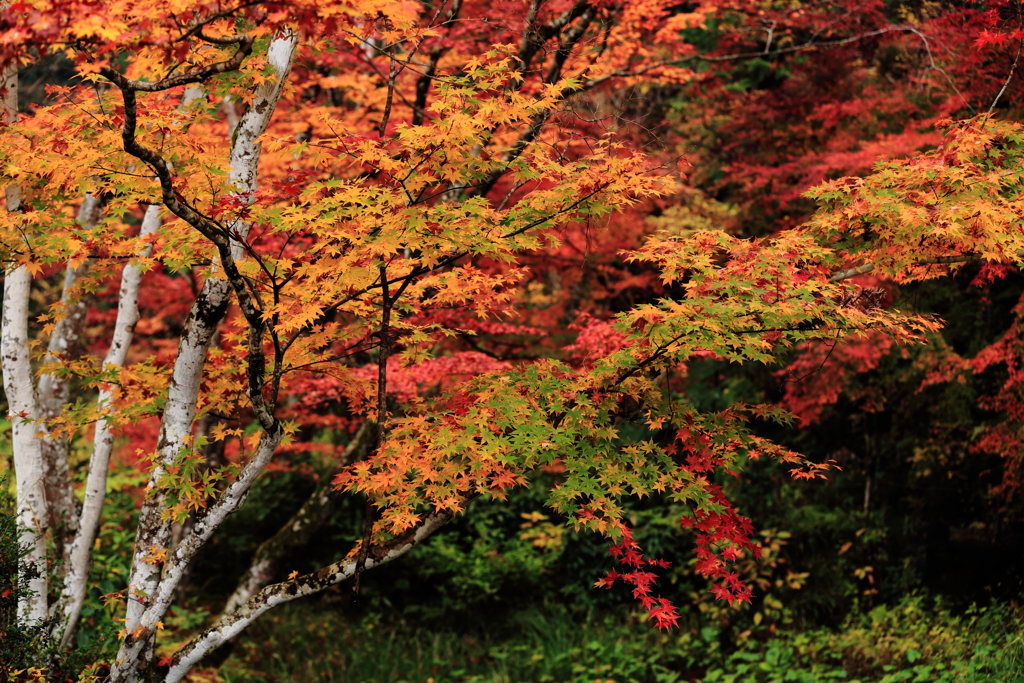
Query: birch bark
[[28, 458], [151, 584], [76, 582], [62, 505], [24, 412]]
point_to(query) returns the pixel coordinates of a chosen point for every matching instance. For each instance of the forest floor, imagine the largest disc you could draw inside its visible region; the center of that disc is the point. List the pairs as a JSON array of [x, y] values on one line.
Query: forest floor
[[916, 640]]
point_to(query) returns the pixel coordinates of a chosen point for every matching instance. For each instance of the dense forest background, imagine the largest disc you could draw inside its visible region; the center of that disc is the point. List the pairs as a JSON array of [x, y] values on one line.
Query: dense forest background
[[906, 563]]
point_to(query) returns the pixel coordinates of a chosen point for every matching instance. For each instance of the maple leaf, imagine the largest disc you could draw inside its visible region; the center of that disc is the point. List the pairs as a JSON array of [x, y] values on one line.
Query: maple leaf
[[664, 614]]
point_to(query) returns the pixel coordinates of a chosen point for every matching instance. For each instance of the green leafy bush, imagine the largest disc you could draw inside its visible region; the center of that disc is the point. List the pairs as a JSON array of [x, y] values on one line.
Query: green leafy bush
[[13, 640], [910, 641]]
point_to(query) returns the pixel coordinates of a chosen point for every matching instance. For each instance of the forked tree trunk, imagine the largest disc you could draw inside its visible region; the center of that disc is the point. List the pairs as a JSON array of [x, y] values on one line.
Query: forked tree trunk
[[152, 582], [76, 581]]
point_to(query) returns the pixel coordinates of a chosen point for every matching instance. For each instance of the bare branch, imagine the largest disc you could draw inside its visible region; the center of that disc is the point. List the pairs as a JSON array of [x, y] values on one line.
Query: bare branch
[[937, 260], [232, 624], [300, 528]]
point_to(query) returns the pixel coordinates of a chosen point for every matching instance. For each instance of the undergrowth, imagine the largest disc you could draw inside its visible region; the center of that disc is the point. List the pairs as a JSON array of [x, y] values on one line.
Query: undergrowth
[[916, 640]]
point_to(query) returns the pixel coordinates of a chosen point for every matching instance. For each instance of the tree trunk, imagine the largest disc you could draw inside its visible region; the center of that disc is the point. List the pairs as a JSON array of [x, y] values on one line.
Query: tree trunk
[[76, 581], [54, 391], [152, 582], [24, 412]]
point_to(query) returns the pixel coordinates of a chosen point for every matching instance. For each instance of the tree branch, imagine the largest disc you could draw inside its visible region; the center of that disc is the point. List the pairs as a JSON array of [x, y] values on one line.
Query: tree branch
[[232, 624], [244, 43], [300, 528], [841, 275]]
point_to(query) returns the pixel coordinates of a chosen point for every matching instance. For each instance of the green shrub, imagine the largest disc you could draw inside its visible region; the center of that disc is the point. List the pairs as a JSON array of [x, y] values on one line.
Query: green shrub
[[910, 641], [13, 640]]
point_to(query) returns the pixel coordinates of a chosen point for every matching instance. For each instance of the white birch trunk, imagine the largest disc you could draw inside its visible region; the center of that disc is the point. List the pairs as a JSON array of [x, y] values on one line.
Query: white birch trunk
[[148, 594], [28, 458], [179, 413], [21, 401], [76, 582], [54, 392], [245, 148]]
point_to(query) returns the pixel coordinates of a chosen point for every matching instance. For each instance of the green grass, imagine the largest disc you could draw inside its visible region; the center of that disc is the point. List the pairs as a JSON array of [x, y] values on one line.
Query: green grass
[[914, 641], [536, 646]]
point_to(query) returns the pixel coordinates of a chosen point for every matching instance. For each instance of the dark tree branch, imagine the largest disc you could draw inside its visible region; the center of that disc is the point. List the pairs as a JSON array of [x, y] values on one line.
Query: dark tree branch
[[244, 43]]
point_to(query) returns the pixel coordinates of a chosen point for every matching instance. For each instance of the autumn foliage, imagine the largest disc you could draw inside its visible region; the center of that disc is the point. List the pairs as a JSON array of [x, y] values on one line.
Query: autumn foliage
[[466, 236]]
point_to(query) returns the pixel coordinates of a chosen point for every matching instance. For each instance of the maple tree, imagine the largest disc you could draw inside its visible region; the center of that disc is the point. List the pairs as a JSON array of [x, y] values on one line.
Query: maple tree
[[335, 214], [782, 128]]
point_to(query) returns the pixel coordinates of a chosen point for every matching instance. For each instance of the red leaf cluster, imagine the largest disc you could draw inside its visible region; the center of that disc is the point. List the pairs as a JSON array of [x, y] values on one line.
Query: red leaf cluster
[[628, 553], [722, 536]]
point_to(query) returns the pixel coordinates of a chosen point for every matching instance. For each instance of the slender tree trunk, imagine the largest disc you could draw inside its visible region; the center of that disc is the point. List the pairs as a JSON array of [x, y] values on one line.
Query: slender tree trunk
[[24, 411], [76, 582], [54, 392], [28, 459]]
